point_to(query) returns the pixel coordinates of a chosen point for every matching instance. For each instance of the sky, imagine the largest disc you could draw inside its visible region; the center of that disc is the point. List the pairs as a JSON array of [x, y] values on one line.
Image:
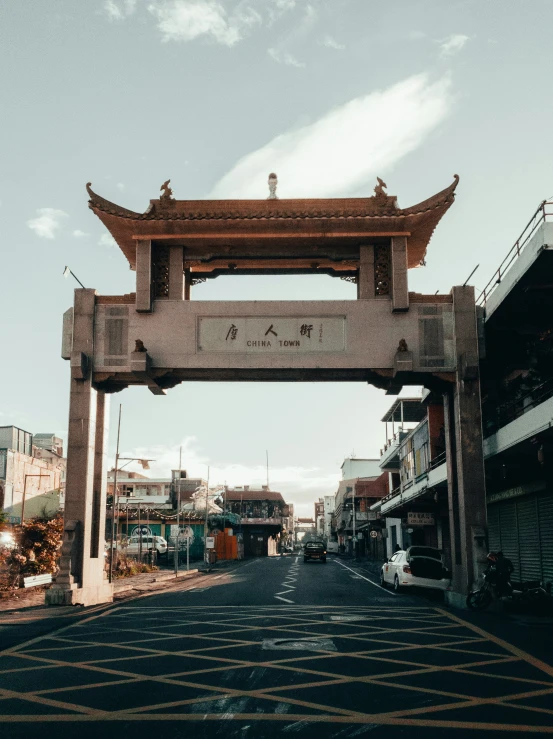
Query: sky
[[329, 94]]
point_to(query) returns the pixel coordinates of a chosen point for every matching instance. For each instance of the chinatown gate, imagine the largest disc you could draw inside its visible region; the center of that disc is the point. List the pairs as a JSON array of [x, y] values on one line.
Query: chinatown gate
[[159, 337]]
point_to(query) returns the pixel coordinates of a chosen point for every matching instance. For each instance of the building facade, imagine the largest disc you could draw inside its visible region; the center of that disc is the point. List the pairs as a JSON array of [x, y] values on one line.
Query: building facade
[[32, 479], [262, 518], [517, 402]]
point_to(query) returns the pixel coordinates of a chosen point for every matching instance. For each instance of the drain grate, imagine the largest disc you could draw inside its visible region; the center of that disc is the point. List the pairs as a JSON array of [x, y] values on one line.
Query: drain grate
[[300, 645]]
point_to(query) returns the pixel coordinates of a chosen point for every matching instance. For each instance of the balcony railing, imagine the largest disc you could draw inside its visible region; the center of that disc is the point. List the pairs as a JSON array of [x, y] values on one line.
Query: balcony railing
[[543, 213], [517, 407], [273, 520], [437, 461], [396, 439], [433, 464]]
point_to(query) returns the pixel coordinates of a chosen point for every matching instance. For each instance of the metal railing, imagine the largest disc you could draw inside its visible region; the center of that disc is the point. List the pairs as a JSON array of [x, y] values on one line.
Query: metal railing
[[542, 214], [437, 461], [432, 465], [517, 407]]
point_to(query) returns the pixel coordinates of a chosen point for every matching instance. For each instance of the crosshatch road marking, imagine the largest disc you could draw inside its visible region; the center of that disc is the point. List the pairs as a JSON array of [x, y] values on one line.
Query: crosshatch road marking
[[375, 651]]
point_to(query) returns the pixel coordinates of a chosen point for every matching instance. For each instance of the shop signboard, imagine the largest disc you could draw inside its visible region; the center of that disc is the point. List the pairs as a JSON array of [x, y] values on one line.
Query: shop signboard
[[420, 518]]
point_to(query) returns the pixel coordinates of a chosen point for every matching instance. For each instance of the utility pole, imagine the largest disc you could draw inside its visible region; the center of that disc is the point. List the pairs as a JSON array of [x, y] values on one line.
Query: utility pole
[[188, 548], [206, 558], [178, 531], [354, 534], [114, 501], [140, 535]]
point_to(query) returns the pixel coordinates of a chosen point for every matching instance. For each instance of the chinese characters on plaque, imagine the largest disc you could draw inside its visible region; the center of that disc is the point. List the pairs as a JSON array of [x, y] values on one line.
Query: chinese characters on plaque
[[420, 518], [306, 334]]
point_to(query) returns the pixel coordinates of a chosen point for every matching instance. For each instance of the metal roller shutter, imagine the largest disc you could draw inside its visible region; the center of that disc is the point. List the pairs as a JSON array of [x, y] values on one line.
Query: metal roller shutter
[[494, 530], [509, 536], [529, 540], [545, 514]]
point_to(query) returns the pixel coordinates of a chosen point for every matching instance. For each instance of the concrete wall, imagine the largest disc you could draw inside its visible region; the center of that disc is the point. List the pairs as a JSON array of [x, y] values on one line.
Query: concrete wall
[[41, 478]]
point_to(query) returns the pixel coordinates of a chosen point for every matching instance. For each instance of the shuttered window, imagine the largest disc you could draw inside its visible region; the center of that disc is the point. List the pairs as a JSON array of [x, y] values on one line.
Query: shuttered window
[[116, 337]]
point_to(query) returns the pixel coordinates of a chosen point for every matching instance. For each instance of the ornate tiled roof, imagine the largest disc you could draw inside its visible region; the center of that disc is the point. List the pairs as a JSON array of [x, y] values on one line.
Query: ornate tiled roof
[[249, 219]]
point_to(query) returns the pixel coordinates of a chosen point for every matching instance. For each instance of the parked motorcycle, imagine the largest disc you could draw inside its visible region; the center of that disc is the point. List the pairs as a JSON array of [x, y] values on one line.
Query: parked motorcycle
[[497, 583]]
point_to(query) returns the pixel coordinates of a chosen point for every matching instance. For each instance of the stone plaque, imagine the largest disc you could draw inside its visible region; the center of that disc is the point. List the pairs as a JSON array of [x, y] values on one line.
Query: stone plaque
[[272, 335]]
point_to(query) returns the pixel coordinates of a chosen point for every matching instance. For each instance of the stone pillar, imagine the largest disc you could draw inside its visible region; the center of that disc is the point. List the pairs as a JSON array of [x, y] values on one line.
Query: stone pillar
[[176, 273], [400, 288], [365, 281], [100, 476], [465, 458], [187, 283], [81, 578], [144, 276]]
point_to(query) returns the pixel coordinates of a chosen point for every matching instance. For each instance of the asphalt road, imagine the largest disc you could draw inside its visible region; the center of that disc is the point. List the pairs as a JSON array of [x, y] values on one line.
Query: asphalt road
[[275, 647]]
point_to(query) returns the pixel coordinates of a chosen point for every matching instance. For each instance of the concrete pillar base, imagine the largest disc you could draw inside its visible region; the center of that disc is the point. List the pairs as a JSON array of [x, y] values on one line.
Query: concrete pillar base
[[89, 596], [456, 600]]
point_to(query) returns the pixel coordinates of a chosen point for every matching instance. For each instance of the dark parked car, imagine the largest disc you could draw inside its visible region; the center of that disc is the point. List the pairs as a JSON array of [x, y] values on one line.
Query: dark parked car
[[314, 550]]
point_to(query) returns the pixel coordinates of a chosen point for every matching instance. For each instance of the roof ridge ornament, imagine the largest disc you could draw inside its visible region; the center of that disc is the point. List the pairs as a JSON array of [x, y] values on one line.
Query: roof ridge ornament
[[379, 189], [273, 182], [166, 192]]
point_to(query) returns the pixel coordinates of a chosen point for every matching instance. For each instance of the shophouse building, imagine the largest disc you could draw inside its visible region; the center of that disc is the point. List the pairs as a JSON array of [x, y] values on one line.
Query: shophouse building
[[320, 518], [517, 401], [262, 515], [415, 510], [352, 520], [516, 368]]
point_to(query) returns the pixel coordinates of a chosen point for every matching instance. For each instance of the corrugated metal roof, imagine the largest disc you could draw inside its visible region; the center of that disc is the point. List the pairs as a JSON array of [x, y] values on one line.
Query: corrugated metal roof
[[413, 411]]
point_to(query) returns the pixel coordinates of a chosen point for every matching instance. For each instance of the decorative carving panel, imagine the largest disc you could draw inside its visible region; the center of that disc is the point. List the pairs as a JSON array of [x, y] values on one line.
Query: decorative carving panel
[[382, 269], [160, 271]]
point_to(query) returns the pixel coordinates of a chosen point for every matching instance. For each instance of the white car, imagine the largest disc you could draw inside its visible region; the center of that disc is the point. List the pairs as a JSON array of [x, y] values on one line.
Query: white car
[[132, 545], [417, 566]]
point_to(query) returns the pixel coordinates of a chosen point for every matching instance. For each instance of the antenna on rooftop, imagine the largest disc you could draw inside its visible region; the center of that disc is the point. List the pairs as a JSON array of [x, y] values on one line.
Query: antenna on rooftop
[[267, 460]]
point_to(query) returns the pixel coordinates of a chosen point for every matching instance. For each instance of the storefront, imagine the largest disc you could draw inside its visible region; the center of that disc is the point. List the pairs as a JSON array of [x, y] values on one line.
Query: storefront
[[520, 524]]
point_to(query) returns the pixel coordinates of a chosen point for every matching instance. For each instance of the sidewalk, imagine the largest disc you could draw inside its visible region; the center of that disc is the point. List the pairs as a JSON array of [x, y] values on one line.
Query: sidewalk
[[32, 600]]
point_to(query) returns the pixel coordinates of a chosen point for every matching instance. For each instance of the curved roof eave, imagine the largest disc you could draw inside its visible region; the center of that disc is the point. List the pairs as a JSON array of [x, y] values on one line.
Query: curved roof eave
[[420, 219]]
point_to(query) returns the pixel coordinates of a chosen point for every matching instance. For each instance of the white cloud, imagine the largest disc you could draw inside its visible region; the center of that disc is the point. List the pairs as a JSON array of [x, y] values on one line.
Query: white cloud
[[186, 20], [47, 222], [452, 44], [80, 234], [331, 43], [120, 186], [107, 240], [284, 57], [117, 11], [345, 149]]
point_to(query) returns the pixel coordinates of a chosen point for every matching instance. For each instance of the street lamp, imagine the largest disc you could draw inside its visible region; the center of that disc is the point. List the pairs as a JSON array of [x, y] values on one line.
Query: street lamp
[[67, 272]]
